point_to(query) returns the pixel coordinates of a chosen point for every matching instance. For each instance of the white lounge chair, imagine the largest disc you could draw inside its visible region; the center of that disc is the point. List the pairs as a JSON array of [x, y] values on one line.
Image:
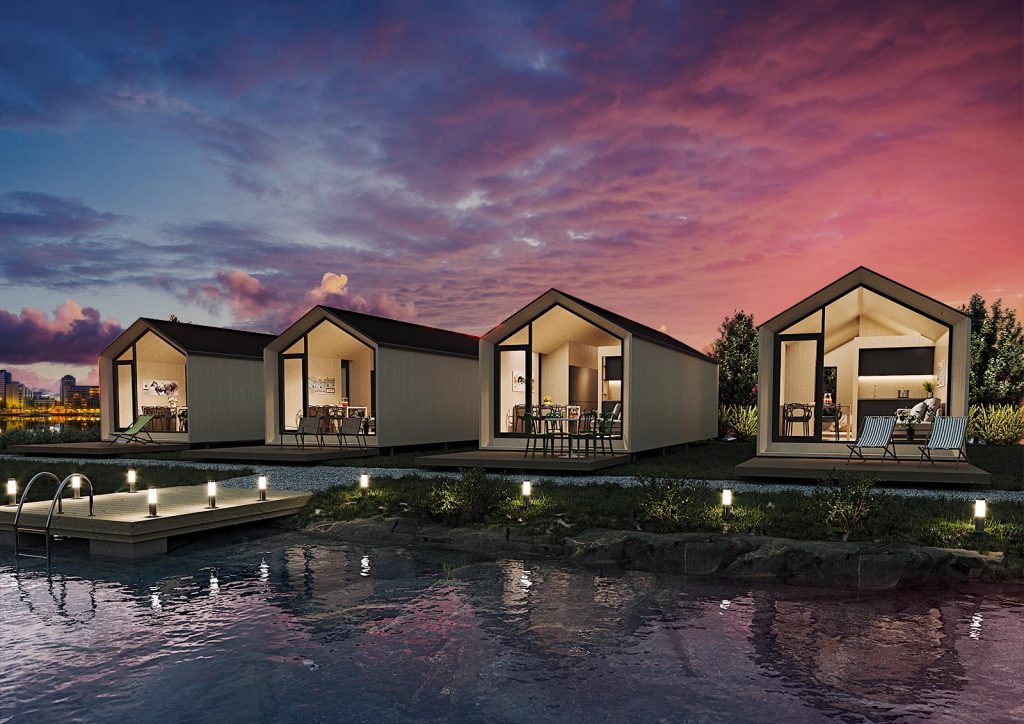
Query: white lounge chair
[[948, 434], [876, 433]]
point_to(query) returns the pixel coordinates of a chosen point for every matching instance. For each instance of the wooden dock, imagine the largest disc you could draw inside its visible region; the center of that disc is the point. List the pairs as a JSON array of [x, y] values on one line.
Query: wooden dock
[[277, 454], [513, 460], [120, 527], [96, 449], [905, 471]]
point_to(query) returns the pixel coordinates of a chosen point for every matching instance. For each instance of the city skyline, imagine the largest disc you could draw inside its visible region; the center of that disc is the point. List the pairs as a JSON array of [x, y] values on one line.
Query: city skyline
[[445, 164]]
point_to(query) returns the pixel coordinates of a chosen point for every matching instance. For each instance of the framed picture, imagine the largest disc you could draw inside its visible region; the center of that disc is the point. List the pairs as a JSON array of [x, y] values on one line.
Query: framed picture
[[323, 385], [518, 381], [940, 378], [163, 388]]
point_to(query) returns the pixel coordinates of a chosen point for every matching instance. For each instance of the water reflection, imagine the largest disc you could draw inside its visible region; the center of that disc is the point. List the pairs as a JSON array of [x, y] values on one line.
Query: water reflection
[[446, 636]]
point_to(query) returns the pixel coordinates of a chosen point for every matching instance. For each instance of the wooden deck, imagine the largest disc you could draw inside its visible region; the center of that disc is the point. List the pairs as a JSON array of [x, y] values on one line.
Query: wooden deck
[[96, 449], [276, 454], [120, 527], [512, 460], [905, 471]]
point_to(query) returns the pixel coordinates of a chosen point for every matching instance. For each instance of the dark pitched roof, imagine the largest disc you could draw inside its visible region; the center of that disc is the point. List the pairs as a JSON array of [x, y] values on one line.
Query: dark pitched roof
[[393, 333], [638, 330], [214, 341]]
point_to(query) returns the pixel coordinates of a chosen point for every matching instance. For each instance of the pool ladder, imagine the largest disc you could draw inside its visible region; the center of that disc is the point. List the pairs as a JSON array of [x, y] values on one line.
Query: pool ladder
[[56, 504]]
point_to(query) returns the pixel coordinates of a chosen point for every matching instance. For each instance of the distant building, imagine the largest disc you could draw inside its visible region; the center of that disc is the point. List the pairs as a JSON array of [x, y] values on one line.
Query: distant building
[[81, 397], [5, 380], [16, 395], [67, 384], [43, 400]]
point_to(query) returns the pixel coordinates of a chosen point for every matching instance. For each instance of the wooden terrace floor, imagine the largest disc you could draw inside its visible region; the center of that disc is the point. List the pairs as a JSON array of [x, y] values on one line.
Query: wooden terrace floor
[[514, 460], [905, 471], [277, 454], [120, 527], [96, 449]]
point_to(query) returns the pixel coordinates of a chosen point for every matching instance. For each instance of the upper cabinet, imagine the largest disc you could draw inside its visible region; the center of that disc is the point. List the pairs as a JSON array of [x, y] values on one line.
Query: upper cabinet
[[897, 361]]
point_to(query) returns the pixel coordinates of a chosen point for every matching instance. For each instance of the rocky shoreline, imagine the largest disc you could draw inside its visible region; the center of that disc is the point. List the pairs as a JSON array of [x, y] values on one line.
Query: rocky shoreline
[[857, 565]]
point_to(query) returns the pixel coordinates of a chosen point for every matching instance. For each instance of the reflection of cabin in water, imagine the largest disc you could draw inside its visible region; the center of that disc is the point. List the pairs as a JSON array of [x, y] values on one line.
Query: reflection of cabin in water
[[201, 384]]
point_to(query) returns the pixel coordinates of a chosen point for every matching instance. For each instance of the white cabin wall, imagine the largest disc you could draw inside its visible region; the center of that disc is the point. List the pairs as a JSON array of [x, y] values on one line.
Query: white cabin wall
[[226, 399]]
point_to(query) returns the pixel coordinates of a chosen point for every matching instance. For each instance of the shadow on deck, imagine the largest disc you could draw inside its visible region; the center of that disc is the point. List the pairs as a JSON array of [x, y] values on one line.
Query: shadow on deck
[[96, 449], [277, 454]]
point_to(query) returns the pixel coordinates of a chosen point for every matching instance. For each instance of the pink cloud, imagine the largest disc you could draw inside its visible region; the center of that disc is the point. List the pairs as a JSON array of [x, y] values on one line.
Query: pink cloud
[[74, 335]]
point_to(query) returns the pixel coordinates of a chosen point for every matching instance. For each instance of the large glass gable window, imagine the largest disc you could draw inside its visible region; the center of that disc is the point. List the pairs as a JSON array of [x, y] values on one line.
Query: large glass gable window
[[557, 362]]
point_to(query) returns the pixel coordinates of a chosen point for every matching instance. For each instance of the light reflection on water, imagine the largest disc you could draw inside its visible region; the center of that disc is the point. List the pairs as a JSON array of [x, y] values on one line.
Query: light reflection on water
[[283, 628]]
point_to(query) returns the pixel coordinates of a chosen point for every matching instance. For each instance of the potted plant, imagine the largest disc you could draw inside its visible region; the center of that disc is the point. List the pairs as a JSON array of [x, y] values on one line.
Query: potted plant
[[907, 419], [547, 400], [929, 388]]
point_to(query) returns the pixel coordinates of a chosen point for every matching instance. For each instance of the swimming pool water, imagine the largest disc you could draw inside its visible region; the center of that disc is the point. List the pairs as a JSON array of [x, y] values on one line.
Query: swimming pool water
[[278, 627]]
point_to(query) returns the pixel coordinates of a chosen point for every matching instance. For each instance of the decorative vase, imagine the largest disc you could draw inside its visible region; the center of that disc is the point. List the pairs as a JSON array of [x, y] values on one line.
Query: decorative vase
[[910, 433]]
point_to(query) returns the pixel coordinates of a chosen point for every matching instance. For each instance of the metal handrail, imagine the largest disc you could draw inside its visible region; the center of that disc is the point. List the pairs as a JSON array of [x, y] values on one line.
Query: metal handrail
[[24, 494], [56, 498], [57, 503]]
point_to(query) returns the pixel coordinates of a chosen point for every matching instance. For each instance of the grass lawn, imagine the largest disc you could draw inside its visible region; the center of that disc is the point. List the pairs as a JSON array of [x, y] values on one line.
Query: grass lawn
[[669, 506], [105, 478]]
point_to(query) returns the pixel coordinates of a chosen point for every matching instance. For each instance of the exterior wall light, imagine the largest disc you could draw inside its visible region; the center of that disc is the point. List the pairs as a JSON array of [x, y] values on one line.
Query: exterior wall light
[[726, 503], [211, 494], [261, 487], [132, 478], [151, 499], [12, 491], [76, 486], [980, 510], [527, 491]]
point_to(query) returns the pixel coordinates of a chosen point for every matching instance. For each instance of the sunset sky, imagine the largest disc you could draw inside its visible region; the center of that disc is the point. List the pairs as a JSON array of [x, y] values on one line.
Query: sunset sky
[[445, 162]]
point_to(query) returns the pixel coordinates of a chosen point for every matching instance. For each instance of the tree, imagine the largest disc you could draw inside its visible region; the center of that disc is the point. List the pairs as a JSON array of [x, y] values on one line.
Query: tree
[[997, 353], [735, 350]]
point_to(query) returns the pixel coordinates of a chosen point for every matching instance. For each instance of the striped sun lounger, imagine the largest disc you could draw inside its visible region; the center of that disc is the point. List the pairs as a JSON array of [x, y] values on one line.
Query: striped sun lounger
[[876, 433], [948, 434]]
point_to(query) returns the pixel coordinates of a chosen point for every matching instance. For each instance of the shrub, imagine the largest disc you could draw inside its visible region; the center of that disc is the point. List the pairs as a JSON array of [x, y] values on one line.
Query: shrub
[[844, 500], [45, 436], [738, 419], [996, 424], [468, 499]]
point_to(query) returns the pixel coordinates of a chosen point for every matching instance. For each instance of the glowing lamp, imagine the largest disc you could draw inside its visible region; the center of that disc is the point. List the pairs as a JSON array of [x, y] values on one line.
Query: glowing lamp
[[151, 499], [527, 491], [364, 483], [12, 491], [76, 486], [980, 510], [131, 481], [211, 494], [261, 487], [726, 503]]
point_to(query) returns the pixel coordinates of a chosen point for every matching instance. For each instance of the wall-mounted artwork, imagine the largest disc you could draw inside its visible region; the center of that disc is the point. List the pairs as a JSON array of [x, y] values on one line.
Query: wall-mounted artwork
[[163, 388], [940, 378], [518, 381], [323, 385]]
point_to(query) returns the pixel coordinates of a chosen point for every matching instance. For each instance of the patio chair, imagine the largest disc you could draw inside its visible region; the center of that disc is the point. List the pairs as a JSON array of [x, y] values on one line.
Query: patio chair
[[876, 433], [948, 434], [135, 432], [606, 430], [350, 427], [536, 430], [586, 431], [307, 426], [794, 413]]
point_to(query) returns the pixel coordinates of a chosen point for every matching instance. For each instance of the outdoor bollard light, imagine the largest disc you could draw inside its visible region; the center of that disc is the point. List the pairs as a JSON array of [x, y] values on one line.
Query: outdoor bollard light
[[364, 483], [131, 481], [980, 509], [76, 486], [12, 491], [151, 499], [726, 503], [527, 491], [261, 486], [211, 494]]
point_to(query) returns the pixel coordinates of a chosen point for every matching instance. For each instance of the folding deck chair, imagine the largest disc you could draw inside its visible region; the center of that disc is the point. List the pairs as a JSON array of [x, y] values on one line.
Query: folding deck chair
[[948, 434], [135, 432], [307, 426], [876, 433]]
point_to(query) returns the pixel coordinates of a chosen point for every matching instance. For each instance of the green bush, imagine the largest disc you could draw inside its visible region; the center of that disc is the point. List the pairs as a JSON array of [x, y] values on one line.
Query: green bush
[[48, 437], [996, 424], [844, 500], [468, 499], [740, 420]]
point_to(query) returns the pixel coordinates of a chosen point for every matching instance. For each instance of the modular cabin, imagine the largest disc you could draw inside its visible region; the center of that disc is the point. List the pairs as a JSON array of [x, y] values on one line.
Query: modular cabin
[[411, 384], [202, 385], [865, 345], [563, 352]]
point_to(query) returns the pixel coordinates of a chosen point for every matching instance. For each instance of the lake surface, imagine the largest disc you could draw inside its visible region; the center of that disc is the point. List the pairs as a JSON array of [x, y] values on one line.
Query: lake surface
[[274, 626], [55, 423]]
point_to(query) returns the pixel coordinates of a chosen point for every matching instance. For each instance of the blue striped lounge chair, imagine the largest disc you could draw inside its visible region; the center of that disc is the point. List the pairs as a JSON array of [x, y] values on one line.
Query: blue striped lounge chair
[[948, 434], [876, 433]]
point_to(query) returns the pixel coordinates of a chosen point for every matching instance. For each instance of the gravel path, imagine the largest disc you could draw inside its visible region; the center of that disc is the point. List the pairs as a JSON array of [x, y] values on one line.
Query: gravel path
[[319, 477]]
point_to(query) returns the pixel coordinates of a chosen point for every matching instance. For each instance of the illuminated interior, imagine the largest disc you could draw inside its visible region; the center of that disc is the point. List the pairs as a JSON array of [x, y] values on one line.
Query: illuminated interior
[[862, 354], [562, 357], [150, 380], [327, 373]]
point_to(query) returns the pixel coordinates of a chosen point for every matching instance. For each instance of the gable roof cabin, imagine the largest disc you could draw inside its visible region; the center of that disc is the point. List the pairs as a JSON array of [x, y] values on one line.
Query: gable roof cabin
[[414, 383]]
